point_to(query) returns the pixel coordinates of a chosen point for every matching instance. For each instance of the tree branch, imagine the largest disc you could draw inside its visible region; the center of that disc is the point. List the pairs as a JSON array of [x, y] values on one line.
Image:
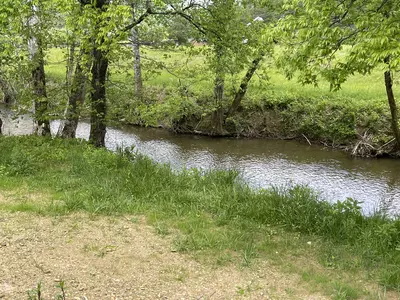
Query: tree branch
[[139, 20], [174, 12]]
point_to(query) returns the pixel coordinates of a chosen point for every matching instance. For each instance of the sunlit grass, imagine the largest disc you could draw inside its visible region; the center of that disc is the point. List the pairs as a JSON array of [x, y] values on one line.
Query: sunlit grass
[[190, 72]]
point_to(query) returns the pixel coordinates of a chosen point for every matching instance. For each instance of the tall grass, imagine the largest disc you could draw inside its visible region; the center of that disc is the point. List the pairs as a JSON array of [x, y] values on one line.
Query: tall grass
[[212, 210]]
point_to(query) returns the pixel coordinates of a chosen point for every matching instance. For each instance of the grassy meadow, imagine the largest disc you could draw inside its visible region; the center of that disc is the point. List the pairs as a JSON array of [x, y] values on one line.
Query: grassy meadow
[[172, 66], [211, 217]]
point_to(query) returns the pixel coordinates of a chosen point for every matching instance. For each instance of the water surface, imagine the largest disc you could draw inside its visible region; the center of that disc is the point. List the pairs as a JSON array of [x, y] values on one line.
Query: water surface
[[261, 163]]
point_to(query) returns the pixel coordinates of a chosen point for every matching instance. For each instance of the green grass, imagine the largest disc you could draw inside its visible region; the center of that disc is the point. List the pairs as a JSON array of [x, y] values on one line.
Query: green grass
[[193, 74], [208, 215]]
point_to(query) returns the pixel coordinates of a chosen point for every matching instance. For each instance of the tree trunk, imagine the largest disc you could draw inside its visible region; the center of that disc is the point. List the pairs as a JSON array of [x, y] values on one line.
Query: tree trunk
[[218, 114], [70, 66], [39, 91], [68, 83], [76, 98], [38, 76], [98, 98], [98, 101], [219, 85], [136, 63], [393, 107], [244, 85]]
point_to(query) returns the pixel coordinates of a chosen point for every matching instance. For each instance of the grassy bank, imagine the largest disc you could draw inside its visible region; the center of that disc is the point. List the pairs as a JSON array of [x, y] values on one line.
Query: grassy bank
[[210, 216], [178, 95]]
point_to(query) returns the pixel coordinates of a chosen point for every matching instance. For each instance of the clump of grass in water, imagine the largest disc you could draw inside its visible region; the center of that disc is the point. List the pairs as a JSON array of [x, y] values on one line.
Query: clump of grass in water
[[211, 210]]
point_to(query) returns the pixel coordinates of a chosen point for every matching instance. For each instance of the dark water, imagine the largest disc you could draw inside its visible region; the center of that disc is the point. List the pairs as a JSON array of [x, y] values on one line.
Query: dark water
[[261, 163]]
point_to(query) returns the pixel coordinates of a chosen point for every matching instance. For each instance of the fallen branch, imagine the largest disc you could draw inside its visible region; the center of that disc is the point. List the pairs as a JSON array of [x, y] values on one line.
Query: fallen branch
[[383, 146], [306, 139]]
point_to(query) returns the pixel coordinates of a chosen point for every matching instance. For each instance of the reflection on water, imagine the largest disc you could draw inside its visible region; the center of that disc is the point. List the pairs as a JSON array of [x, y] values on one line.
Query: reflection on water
[[15, 125], [261, 163]]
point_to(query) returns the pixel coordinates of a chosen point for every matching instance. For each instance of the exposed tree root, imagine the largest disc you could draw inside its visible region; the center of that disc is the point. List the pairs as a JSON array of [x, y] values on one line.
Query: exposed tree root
[[366, 147]]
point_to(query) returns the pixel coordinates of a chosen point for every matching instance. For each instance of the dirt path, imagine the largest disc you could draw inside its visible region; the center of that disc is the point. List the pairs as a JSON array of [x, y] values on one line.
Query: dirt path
[[115, 258]]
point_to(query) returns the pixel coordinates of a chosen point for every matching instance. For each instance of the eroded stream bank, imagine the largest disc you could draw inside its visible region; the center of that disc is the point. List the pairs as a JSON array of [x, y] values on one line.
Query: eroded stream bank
[[261, 163]]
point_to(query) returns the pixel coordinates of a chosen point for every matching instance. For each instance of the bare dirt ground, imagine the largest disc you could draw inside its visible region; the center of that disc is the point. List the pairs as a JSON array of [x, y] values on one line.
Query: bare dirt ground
[[117, 258]]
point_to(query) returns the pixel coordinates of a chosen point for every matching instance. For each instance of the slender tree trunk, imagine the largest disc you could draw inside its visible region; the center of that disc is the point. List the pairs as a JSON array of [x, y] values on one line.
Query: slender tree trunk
[[70, 66], [393, 107], [98, 89], [219, 85], [39, 91], [68, 84], [218, 114], [38, 76], [244, 84], [75, 99], [136, 63], [98, 99]]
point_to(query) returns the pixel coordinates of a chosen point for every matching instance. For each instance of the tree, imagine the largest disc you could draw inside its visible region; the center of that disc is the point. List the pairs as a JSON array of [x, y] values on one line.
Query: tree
[[237, 42], [38, 28], [335, 39], [151, 31], [97, 10], [103, 22], [11, 25], [107, 23], [27, 28], [76, 97], [134, 39], [76, 77], [178, 31]]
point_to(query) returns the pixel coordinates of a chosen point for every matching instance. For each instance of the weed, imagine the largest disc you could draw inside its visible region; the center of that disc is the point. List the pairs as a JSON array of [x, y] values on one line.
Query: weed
[[240, 291], [134, 220], [224, 259], [161, 229], [289, 291], [36, 293], [344, 292], [249, 253], [61, 286], [99, 251], [250, 287]]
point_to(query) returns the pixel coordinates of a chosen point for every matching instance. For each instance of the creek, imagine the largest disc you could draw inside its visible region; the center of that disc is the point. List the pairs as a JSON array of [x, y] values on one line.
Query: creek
[[261, 163]]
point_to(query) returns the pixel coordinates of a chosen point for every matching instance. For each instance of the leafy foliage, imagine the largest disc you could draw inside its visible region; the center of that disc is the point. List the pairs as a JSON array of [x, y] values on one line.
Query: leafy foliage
[[335, 39]]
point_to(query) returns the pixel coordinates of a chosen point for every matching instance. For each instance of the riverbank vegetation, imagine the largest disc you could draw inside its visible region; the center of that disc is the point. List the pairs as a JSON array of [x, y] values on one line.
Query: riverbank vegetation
[[216, 68], [176, 96], [211, 216]]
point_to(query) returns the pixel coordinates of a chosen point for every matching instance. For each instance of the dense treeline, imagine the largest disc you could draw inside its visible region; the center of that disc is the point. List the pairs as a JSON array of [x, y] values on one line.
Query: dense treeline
[[310, 40]]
